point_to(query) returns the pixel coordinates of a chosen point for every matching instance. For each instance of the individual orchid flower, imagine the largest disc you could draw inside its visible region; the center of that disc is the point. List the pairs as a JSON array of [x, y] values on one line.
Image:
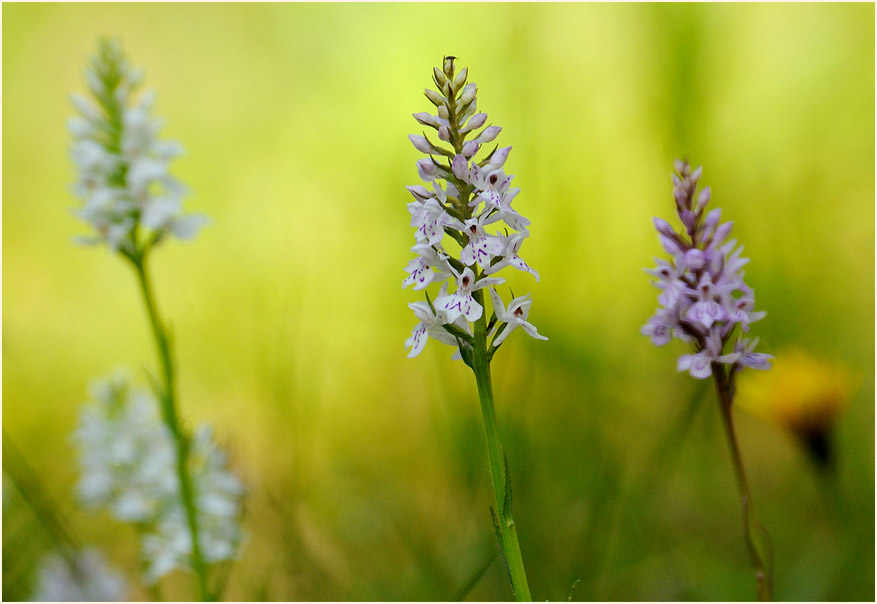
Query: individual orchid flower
[[461, 302], [510, 257], [482, 248], [421, 269], [515, 316], [706, 310], [431, 326]]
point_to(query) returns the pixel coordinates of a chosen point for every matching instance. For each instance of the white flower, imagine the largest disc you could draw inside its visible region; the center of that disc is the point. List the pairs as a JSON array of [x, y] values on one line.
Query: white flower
[[468, 196], [430, 220], [430, 326], [515, 316], [510, 256], [420, 269], [698, 365], [481, 247], [125, 452], [85, 578], [218, 502], [128, 461], [461, 303]]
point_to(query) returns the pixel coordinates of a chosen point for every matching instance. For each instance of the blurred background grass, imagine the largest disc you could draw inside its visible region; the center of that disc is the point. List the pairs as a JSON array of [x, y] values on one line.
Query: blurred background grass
[[367, 471]]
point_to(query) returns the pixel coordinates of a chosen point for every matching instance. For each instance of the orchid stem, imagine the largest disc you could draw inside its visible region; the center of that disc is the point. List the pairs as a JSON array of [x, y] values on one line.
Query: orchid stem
[[757, 544], [507, 532], [167, 398]]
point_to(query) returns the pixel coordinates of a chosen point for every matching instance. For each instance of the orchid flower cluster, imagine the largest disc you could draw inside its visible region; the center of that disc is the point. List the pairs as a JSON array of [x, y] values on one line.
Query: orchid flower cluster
[[703, 296], [127, 456], [83, 577], [123, 168], [466, 198]]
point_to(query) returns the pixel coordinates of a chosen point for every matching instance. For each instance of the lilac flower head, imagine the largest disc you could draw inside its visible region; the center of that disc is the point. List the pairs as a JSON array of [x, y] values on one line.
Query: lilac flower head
[[469, 210], [703, 296]]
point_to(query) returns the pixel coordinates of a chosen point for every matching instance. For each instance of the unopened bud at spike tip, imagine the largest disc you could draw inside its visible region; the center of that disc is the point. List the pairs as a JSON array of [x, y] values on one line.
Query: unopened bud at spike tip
[[448, 66], [460, 80]]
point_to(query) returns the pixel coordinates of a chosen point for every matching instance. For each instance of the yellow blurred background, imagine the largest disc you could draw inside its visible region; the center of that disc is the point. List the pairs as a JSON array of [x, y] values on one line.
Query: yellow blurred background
[[366, 471]]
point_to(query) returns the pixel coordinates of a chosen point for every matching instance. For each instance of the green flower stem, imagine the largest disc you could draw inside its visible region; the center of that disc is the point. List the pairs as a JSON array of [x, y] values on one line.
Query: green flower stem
[[506, 529], [167, 397], [757, 540]]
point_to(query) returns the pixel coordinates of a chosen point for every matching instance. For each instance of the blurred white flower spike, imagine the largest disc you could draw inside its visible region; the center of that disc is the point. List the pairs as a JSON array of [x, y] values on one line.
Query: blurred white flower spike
[[128, 462], [139, 460], [81, 576], [123, 170]]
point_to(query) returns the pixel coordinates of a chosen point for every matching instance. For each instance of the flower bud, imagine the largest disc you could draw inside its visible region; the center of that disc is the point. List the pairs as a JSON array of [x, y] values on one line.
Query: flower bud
[[497, 160], [427, 169], [703, 199], [95, 84], [84, 107], [460, 168], [440, 78], [670, 245], [467, 112], [694, 259], [468, 93], [79, 127], [444, 134], [475, 122], [488, 134], [470, 148], [443, 112], [688, 218], [448, 66], [420, 193], [427, 119], [420, 143], [663, 227], [722, 232], [712, 219], [461, 78], [434, 97]]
